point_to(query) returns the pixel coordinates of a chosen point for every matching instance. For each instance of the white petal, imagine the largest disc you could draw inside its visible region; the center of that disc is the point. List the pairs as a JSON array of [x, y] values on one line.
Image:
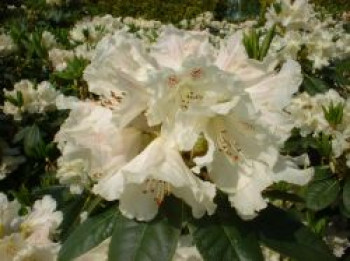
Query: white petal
[[276, 91], [287, 169], [174, 46], [136, 204]]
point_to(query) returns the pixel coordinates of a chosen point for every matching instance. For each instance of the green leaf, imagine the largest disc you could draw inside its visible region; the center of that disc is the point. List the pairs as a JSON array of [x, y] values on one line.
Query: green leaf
[[34, 145], [313, 85], [71, 215], [19, 97], [88, 235], [322, 173], [265, 46], [225, 237], [74, 69], [334, 113], [320, 194], [12, 100], [281, 232], [324, 144], [155, 240], [346, 195]]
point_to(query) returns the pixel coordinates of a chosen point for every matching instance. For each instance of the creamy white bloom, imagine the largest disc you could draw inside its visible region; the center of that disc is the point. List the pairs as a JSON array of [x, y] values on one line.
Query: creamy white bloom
[[186, 250], [91, 144], [272, 94], [34, 99], [287, 46], [28, 237], [290, 14], [308, 114], [197, 94], [6, 44], [118, 73], [48, 40], [38, 253], [322, 38], [321, 47], [59, 58], [10, 246], [15, 248], [143, 183], [8, 213], [270, 255], [10, 159], [92, 30], [42, 222]]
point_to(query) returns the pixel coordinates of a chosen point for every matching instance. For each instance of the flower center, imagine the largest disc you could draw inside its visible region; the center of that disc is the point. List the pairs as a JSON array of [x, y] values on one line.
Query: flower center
[[26, 230], [158, 188], [226, 144], [113, 101], [11, 248], [188, 96]]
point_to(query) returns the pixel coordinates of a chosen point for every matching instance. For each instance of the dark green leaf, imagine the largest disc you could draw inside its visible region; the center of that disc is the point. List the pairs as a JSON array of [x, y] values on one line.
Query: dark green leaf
[[279, 231], [314, 85], [19, 98], [71, 215], [33, 143], [321, 173], [12, 100], [74, 70], [225, 237], [88, 235], [145, 241], [320, 194]]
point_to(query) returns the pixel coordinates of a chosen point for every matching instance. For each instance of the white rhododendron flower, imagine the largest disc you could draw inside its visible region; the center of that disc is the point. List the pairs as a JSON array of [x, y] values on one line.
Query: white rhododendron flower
[[48, 40], [34, 99], [42, 221], [309, 113], [291, 14], [59, 58], [15, 247], [117, 73], [7, 45], [186, 250], [320, 38], [92, 30], [29, 237], [156, 172], [8, 213], [91, 144], [195, 93], [10, 160]]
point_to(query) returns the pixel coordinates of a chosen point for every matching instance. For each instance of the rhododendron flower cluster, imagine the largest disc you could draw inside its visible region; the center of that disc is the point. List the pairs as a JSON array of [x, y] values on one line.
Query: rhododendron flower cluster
[[179, 117]]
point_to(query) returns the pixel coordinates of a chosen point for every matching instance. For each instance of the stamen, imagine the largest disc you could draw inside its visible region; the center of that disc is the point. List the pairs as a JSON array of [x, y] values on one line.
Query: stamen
[[196, 73], [11, 249], [114, 101], [173, 81], [159, 188], [97, 175], [226, 145], [189, 97]]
